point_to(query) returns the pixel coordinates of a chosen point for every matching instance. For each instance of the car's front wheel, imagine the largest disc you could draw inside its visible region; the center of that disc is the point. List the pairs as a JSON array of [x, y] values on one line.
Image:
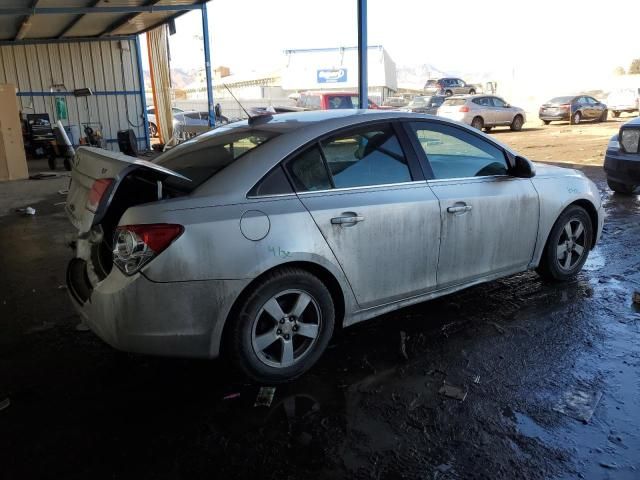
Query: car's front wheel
[[546, 122], [621, 187], [568, 245], [576, 117], [283, 326], [616, 114], [516, 124]]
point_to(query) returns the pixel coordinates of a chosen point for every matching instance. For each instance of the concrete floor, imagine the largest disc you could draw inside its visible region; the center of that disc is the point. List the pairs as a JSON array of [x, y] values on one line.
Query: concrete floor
[[518, 347]]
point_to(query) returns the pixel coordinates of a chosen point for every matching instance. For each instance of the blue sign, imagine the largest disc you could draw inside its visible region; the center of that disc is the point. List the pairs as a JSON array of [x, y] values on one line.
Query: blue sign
[[332, 75]]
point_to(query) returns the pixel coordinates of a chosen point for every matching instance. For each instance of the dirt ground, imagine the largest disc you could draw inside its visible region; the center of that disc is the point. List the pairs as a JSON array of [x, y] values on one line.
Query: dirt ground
[[550, 373]]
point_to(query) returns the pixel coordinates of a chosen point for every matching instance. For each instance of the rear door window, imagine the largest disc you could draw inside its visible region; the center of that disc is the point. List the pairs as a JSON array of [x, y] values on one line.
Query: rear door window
[[367, 156], [308, 171]]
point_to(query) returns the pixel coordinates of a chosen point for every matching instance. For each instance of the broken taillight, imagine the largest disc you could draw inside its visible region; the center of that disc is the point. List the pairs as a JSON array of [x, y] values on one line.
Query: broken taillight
[[98, 189], [464, 108], [136, 245]]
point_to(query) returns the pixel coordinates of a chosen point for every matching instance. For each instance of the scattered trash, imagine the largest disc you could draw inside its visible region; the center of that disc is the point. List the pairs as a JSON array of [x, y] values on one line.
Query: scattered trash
[[5, 403], [26, 211], [231, 396], [452, 391], [611, 466], [82, 327], [62, 287], [63, 192], [265, 397], [403, 345], [43, 176], [636, 298], [476, 379], [578, 404], [444, 467]]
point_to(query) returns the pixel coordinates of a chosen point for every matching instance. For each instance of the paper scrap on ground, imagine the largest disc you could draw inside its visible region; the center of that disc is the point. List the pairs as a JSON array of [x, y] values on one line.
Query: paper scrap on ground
[[578, 404], [265, 397], [451, 391]]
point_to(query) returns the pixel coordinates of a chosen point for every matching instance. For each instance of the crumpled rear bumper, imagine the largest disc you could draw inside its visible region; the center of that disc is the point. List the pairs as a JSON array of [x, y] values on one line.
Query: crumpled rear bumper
[[134, 314]]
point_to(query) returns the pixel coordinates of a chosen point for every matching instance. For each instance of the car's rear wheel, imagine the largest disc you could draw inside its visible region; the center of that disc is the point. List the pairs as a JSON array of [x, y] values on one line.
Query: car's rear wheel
[[516, 124], [546, 122], [568, 245], [618, 187], [283, 326], [478, 123], [448, 93], [575, 118], [616, 114], [472, 92]]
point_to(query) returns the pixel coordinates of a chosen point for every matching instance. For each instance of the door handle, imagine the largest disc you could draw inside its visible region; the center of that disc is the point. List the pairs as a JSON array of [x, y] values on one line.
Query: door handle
[[459, 209], [349, 218]]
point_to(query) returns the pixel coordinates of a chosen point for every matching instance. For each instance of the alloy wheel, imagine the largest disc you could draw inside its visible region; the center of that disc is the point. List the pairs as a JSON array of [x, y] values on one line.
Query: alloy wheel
[[571, 245], [286, 328]]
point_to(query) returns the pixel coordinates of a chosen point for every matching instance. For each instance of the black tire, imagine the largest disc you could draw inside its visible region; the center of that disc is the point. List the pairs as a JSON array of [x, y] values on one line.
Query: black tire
[[153, 130], [615, 114], [448, 93], [603, 116], [472, 92], [622, 188], [242, 336], [516, 124], [477, 123], [550, 267], [487, 129], [51, 161], [546, 122], [575, 118]]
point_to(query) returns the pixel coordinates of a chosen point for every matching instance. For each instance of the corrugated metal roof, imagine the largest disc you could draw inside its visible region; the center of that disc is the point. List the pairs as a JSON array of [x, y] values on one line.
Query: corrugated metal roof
[[64, 19]]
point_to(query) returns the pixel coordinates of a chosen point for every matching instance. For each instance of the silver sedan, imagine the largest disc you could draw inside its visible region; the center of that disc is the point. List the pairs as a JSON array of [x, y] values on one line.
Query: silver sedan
[[255, 240], [483, 112]]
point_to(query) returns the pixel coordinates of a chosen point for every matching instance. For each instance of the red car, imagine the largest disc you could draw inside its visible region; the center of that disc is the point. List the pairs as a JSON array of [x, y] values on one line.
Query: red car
[[330, 101]]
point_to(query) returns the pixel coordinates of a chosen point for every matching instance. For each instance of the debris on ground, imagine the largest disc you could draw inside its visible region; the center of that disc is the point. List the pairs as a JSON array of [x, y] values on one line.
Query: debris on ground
[[43, 176], [26, 211], [636, 297], [5, 403], [403, 344], [82, 327], [63, 191], [578, 404], [452, 391], [265, 397], [62, 287], [59, 203], [476, 379], [443, 467], [610, 466], [231, 396]]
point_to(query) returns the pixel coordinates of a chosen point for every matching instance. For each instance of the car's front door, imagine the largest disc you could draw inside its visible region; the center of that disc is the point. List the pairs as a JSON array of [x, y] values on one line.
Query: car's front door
[[489, 218], [374, 209], [503, 115]]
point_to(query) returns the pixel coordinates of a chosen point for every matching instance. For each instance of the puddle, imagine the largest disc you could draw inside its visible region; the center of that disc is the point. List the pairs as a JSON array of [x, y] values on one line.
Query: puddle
[[595, 261]]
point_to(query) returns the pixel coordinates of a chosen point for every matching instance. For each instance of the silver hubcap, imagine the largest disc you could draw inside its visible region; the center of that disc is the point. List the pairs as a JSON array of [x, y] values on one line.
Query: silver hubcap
[[286, 328], [571, 245], [576, 118]]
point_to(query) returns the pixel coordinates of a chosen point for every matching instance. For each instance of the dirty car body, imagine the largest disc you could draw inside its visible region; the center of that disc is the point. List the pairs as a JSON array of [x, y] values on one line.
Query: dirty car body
[[251, 236]]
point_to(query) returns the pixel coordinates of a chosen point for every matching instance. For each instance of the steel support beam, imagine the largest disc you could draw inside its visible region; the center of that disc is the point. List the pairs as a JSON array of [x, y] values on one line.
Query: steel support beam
[[123, 21], [41, 41], [363, 86], [83, 10], [207, 66], [75, 21], [143, 98]]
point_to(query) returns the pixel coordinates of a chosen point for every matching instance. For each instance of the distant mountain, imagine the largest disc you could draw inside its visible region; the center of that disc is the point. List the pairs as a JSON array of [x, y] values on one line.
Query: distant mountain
[[180, 78], [415, 76]]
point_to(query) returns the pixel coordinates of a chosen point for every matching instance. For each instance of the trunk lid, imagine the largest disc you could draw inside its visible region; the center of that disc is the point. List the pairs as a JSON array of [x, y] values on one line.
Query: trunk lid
[[92, 164]]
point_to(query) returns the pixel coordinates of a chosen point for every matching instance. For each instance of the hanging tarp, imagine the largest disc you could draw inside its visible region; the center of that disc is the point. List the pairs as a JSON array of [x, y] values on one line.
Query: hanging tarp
[[157, 43]]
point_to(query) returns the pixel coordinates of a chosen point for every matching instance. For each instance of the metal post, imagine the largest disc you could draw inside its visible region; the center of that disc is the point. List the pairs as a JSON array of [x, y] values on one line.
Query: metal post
[[142, 94], [363, 87], [207, 66]]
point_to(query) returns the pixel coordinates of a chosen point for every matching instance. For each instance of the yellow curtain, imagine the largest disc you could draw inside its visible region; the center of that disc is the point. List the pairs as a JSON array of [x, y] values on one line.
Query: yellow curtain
[[161, 81]]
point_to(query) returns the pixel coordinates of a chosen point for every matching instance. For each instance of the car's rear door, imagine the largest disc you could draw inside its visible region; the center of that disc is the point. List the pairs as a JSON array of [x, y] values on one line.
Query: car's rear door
[[369, 199], [489, 218]]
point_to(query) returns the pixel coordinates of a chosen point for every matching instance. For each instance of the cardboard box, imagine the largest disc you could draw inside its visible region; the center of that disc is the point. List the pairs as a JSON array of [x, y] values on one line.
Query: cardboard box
[[13, 161]]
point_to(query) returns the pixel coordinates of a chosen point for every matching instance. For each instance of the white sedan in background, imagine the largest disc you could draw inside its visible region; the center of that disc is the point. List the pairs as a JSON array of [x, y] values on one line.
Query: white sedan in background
[[483, 112], [180, 117]]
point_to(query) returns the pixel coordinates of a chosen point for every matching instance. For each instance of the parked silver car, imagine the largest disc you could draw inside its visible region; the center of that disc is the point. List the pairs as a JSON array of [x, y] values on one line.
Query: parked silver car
[[254, 240], [483, 112], [449, 86]]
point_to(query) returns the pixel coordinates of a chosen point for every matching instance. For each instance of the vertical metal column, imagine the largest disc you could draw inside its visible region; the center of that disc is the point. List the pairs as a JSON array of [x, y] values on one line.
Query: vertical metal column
[[142, 94], [363, 87], [207, 66]]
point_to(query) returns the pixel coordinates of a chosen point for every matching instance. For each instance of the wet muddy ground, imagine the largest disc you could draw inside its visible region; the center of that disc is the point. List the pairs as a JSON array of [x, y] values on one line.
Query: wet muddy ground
[[550, 376]]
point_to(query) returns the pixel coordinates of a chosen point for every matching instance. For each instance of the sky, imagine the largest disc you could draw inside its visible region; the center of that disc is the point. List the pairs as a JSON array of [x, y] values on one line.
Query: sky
[[542, 39]]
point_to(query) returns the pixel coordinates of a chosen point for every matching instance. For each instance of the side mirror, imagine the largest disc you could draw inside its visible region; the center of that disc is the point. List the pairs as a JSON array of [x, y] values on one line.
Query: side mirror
[[523, 168]]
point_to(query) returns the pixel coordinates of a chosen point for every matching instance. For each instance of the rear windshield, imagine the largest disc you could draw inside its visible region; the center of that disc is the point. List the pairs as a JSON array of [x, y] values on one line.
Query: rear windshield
[[453, 102], [206, 156], [561, 100], [431, 83]]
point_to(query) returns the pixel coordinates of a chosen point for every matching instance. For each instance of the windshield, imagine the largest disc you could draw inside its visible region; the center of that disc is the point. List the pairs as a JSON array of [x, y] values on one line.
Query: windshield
[[203, 157], [452, 102], [560, 100], [419, 101]]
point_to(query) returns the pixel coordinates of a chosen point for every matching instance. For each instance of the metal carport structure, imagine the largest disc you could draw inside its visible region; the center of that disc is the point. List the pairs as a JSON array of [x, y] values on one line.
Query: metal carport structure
[[42, 34]]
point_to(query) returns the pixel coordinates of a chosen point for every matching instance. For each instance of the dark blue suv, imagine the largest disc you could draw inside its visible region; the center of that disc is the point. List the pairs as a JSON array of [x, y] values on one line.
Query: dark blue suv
[[622, 160]]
